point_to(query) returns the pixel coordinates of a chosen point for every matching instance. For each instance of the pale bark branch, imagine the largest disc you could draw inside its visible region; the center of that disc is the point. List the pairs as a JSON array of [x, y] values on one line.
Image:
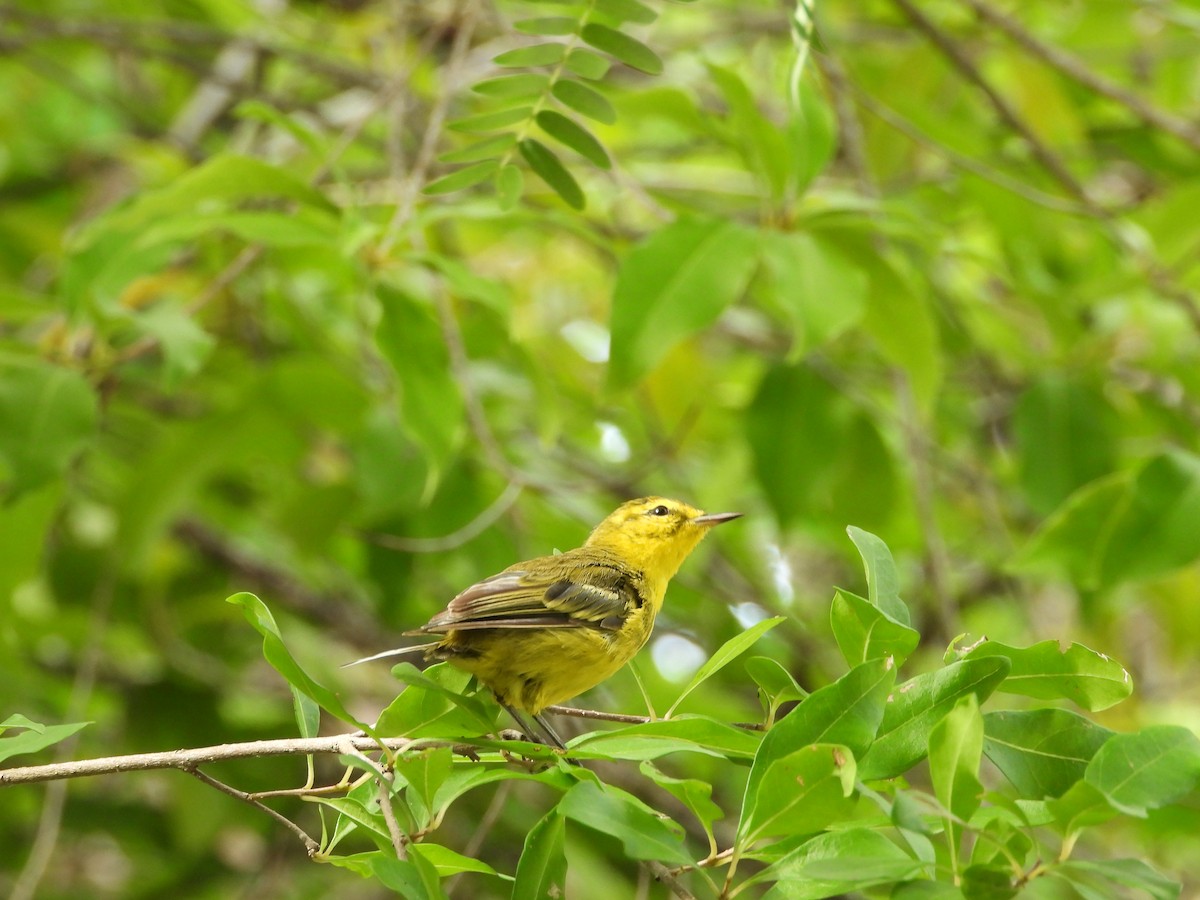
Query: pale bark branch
[[189, 758]]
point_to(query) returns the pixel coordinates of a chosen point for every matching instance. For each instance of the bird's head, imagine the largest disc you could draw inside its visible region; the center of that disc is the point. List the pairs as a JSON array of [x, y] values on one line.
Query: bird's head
[[655, 534]]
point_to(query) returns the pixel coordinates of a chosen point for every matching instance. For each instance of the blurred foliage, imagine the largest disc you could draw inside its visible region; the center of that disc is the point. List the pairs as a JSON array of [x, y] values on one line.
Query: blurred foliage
[[316, 300]]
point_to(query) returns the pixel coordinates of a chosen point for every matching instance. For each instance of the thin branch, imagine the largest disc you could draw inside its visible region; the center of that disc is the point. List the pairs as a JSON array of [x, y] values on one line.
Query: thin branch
[[1005, 110], [309, 844], [479, 524], [125, 35], [1074, 68], [666, 877], [190, 758], [399, 840], [967, 163]]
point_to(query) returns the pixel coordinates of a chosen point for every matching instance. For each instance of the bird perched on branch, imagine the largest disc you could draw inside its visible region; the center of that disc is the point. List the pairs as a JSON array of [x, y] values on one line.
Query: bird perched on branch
[[544, 630]]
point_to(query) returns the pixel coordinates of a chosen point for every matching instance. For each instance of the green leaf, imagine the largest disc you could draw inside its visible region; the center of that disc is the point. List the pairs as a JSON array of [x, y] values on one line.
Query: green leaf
[[1094, 880], [435, 705], [47, 416], [883, 582], [537, 55], [491, 121], [989, 881], [550, 170], [775, 683], [800, 792], [229, 178], [462, 178], [1146, 770], [821, 290], [184, 344], [917, 705], [542, 869], [673, 285], [34, 735], [849, 472], [481, 150], [847, 712], [1047, 672], [414, 878], [1041, 751], [864, 631], [626, 11], [1124, 526], [727, 653], [585, 100], [764, 148], [628, 50], [449, 862], [422, 773], [575, 136], [277, 654], [510, 87], [955, 751], [650, 740], [509, 184], [587, 64], [644, 833], [547, 25], [1065, 436], [840, 862], [431, 406], [693, 793]]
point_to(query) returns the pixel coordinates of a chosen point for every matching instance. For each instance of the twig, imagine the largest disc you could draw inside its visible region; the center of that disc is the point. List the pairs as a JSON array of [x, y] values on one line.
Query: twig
[[1005, 110], [850, 131], [197, 756], [480, 523], [124, 35], [491, 816], [965, 162], [665, 876], [309, 844], [1074, 68], [389, 817]]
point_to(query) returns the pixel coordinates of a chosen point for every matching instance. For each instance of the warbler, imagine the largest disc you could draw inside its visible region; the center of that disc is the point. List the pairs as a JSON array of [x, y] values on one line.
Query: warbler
[[547, 629]]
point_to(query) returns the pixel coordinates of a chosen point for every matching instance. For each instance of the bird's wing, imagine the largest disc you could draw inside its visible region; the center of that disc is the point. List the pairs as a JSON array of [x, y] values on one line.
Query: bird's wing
[[598, 595]]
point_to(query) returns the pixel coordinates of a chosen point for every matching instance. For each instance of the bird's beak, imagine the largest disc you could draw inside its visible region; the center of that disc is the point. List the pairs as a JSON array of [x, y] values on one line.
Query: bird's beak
[[709, 519]]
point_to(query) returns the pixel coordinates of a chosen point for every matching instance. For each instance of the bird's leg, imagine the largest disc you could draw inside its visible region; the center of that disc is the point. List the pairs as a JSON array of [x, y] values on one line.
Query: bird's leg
[[550, 732], [546, 735]]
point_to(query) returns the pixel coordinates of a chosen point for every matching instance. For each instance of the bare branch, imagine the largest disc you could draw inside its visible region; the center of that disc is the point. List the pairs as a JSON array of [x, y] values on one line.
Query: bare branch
[[1005, 110], [1076, 69], [190, 758], [309, 844], [399, 840], [479, 524]]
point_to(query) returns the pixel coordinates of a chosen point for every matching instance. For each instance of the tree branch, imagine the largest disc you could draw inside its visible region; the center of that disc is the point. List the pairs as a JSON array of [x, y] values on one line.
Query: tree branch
[[1005, 110], [189, 758], [1074, 68]]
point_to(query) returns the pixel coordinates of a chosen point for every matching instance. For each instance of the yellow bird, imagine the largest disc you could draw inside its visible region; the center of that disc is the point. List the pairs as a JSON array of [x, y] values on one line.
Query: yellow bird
[[544, 630]]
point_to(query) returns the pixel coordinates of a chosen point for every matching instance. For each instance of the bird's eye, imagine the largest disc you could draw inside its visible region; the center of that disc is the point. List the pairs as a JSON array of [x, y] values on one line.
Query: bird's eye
[[659, 511]]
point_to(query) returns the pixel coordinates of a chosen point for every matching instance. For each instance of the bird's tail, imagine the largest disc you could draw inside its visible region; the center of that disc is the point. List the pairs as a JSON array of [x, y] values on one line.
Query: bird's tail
[[399, 651]]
